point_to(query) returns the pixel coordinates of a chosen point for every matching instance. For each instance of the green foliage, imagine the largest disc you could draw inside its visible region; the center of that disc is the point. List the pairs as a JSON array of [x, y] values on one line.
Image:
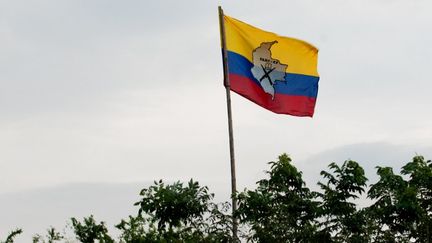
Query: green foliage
[[134, 230], [392, 212], [282, 208], [219, 223], [420, 173], [174, 204], [37, 238], [181, 213], [10, 238], [88, 231], [341, 221], [52, 236], [402, 211]]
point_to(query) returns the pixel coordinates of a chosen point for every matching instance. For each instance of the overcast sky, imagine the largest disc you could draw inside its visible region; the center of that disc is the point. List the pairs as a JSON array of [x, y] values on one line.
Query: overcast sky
[[111, 95]]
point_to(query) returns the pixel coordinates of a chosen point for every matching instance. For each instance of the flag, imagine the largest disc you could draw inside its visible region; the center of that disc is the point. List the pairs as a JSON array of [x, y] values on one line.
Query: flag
[[276, 72]]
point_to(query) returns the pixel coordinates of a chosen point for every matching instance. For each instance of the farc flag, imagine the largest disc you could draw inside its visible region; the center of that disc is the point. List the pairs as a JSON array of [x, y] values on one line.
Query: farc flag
[[276, 72]]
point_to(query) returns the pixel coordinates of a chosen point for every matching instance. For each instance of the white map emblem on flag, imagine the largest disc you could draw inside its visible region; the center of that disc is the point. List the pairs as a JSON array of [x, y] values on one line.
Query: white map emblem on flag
[[266, 69]]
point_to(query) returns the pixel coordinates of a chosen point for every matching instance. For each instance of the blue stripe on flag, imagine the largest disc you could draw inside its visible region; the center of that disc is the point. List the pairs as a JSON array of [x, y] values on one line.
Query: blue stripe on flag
[[295, 84]]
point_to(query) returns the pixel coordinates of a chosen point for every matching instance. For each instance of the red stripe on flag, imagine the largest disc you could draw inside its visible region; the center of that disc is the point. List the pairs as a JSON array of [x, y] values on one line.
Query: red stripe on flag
[[282, 104]]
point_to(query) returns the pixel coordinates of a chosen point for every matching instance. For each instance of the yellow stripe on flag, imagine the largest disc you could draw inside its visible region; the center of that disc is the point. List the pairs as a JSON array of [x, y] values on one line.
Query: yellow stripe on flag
[[243, 38]]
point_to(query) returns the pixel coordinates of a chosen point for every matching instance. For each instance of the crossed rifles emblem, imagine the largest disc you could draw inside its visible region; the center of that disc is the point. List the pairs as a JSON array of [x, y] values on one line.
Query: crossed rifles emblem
[[267, 69]]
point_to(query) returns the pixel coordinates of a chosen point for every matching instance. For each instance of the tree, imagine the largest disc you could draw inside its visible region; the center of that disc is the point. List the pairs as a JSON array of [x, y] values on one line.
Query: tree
[[136, 230], [392, 213], [282, 208], [402, 211], [88, 231], [178, 213], [12, 235], [340, 219], [52, 236], [419, 171]]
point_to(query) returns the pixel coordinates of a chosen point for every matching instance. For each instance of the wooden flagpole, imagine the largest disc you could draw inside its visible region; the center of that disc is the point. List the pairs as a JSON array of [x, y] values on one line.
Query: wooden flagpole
[[230, 126]]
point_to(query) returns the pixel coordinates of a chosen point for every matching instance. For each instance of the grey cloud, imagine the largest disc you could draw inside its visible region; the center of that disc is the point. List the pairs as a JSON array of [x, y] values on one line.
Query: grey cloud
[[69, 55]]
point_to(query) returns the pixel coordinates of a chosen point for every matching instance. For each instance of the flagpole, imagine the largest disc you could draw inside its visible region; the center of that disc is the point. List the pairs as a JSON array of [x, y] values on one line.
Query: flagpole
[[230, 126]]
